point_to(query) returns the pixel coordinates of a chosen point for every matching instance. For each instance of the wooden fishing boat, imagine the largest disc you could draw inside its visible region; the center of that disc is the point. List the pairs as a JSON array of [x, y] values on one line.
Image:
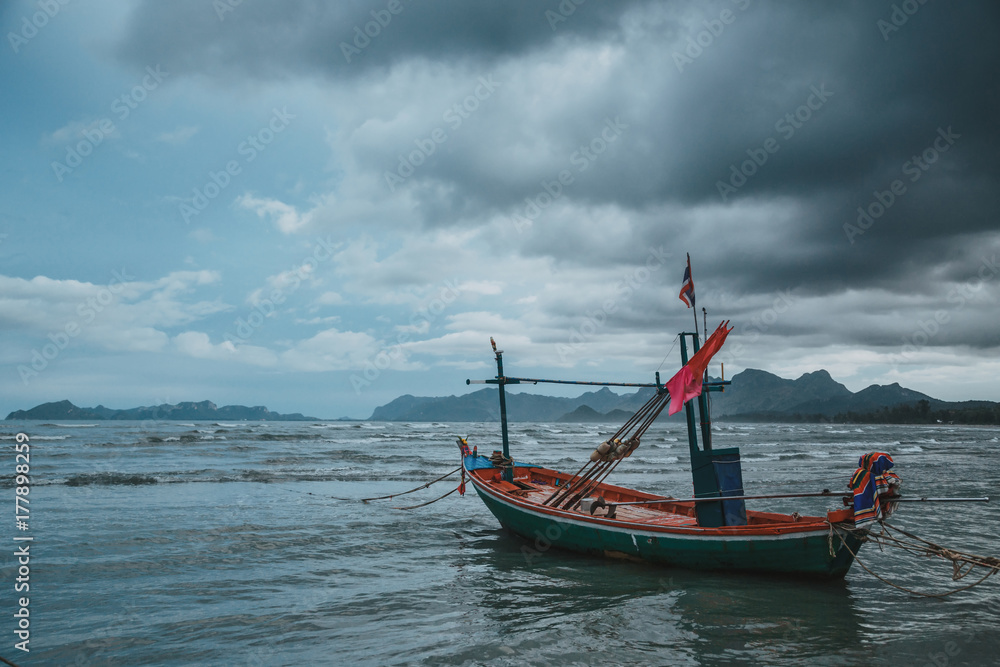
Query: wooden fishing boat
[[712, 530], [666, 532]]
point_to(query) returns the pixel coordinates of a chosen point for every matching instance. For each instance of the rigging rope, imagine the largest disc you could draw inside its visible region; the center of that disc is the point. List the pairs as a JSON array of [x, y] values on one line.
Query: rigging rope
[[957, 558], [676, 338], [401, 493], [413, 507], [609, 454]]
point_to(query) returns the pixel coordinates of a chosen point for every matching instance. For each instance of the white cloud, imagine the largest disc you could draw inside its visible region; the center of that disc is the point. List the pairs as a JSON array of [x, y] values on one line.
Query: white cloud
[[121, 315], [75, 130], [285, 217], [490, 287], [198, 345], [284, 283], [329, 299], [331, 350], [332, 319], [179, 135], [203, 235]]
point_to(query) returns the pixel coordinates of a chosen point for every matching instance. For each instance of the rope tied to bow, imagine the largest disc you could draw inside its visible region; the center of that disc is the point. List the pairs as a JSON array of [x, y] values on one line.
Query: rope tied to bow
[[962, 563]]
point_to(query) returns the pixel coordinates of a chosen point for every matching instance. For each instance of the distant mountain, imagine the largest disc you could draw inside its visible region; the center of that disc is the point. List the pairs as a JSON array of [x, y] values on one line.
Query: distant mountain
[[755, 391], [753, 395], [585, 413], [483, 405], [188, 411], [868, 399]]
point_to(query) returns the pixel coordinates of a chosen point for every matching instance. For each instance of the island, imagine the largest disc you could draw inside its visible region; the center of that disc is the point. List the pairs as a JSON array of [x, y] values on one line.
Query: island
[[187, 411]]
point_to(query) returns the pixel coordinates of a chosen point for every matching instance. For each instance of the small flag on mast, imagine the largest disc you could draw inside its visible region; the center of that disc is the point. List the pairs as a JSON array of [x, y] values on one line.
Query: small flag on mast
[[687, 288]]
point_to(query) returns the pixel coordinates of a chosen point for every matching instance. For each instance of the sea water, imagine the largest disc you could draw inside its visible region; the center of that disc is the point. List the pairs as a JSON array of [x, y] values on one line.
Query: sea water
[[218, 543]]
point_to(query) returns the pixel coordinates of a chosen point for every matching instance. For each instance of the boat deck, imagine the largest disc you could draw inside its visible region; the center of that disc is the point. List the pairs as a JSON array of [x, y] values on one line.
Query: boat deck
[[656, 515], [535, 485]]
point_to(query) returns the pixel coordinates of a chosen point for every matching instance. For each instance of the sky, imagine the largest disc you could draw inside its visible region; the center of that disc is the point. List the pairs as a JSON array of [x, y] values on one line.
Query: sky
[[320, 206]]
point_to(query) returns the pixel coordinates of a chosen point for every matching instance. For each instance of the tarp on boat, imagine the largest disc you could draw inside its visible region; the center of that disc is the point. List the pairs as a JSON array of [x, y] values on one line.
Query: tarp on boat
[[481, 462]]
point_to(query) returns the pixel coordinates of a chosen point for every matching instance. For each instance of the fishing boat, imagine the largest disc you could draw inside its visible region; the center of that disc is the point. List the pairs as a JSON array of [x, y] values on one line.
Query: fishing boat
[[712, 530]]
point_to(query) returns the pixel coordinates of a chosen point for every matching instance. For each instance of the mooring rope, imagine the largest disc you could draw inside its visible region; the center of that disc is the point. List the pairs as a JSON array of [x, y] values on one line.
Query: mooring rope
[[365, 500], [413, 507], [950, 554], [991, 564]]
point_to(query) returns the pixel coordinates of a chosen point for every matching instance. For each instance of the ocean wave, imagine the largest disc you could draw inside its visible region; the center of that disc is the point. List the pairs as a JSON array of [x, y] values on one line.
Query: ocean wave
[[801, 456], [110, 479], [285, 437]]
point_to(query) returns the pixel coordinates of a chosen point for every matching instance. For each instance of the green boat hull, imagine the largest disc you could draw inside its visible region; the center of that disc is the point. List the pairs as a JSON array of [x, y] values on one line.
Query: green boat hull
[[798, 553]]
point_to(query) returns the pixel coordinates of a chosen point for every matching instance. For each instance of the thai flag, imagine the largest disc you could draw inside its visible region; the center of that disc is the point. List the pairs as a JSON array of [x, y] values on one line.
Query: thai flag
[[687, 289]]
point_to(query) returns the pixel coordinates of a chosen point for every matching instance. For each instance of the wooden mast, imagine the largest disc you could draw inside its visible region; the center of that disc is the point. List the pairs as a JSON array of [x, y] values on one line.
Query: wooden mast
[[508, 472]]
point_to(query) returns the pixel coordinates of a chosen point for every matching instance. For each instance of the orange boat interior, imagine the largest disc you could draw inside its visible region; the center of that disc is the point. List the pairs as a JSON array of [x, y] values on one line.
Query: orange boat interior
[[536, 485]]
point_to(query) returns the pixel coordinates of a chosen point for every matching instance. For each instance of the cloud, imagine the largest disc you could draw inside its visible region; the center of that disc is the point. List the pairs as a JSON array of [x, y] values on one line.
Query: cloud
[[329, 299], [203, 235], [331, 350], [179, 135], [75, 130], [122, 315], [198, 345], [285, 217], [296, 37], [496, 170]]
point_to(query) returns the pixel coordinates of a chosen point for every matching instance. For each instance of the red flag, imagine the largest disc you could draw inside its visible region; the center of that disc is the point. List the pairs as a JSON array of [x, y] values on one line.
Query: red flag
[[686, 384], [687, 288]]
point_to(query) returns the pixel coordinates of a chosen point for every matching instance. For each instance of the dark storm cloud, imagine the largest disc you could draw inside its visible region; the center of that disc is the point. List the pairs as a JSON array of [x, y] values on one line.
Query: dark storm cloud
[[924, 88], [257, 39], [842, 99]]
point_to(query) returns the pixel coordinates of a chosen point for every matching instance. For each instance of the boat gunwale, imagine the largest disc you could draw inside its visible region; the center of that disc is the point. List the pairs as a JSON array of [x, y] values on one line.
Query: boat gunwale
[[804, 526]]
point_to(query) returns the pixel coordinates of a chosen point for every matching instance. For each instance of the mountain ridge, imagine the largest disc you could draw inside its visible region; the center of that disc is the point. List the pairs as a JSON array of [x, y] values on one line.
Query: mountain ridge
[[188, 410], [752, 395]]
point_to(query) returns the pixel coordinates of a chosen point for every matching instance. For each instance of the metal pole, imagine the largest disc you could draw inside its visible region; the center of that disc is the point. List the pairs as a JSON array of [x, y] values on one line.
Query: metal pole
[[508, 473], [984, 499], [706, 419], [824, 494], [688, 408]]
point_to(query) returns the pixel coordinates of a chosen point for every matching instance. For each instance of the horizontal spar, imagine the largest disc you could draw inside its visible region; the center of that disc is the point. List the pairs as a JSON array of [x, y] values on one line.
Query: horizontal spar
[[984, 499], [512, 380], [822, 494]]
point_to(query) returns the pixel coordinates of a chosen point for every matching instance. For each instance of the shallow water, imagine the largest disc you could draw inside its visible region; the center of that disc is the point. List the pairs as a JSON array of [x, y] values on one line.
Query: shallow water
[[219, 543]]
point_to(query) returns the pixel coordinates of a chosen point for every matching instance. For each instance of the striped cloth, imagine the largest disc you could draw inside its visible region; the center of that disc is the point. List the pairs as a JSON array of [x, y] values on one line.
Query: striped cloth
[[871, 480]]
